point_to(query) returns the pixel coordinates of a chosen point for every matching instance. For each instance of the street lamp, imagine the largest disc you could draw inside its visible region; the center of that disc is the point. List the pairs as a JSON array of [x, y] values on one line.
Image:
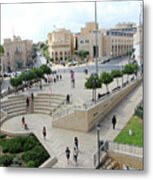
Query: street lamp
[[98, 128], [1, 80], [95, 82]]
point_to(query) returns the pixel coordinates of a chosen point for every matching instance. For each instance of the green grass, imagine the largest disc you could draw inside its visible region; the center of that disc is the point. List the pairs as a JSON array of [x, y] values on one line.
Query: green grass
[[136, 125]]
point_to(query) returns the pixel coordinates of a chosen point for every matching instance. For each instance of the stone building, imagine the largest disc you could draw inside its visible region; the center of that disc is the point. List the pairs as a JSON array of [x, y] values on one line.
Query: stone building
[[138, 45], [112, 42], [60, 44], [87, 40], [17, 53]]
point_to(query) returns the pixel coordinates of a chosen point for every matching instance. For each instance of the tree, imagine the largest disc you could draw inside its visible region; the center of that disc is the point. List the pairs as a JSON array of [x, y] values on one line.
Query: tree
[[45, 69], [38, 72], [28, 76], [106, 78], [83, 54], [15, 82], [116, 74], [93, 82], [1, 50], [129, 69]]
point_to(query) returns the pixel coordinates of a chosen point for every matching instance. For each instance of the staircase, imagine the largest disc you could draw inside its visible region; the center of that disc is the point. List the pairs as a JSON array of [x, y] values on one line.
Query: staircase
[[14, 106], [109, 163]]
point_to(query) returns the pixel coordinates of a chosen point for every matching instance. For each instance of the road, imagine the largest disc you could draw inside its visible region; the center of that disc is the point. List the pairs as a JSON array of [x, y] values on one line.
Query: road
[[113, 64]]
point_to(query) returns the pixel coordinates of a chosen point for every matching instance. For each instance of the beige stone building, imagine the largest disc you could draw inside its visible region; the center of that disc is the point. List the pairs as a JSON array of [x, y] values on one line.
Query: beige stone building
[[61, 45], [17, 53], [138, 45], [118, 41], [87, 40], [112, 42]]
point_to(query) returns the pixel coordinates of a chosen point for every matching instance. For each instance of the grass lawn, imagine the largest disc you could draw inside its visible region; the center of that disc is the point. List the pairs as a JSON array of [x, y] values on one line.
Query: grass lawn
[[136, 125]]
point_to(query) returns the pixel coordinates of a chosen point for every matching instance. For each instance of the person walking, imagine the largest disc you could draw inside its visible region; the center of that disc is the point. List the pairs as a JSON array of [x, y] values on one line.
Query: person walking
[[27, 101], [75, 155], [23, 121], [44, 132], [76, 143], [32, 97], [67, 152], [114, 121]]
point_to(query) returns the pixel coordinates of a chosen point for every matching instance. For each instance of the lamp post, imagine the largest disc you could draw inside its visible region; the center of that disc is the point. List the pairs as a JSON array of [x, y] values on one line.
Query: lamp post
[[98, 128], [1, 80], [95, 81]]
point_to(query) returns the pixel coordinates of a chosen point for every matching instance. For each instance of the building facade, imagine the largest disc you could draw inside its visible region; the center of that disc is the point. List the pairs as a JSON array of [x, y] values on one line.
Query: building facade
[[118, 41], [60, 44], [87, 40], [17, 53], [138, 45]]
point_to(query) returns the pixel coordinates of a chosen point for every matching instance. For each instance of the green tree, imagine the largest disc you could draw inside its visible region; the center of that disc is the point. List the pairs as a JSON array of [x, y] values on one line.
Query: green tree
[[38, 72], [15, 82], [93, 82], [45, 69], [116, 74], [1, 50], [129, 69], [83, 54], [106, 78]]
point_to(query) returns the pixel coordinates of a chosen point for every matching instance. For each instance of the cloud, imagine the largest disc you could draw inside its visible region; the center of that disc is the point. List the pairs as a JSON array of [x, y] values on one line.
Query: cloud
[[34, 21]]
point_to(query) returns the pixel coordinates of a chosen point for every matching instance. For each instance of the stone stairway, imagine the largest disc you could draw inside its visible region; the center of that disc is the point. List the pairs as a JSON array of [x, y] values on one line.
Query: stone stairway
[[110, 163]]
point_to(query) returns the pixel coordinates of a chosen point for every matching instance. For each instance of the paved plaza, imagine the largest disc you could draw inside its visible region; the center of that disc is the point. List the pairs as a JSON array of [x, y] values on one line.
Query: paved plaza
[[58, 139]]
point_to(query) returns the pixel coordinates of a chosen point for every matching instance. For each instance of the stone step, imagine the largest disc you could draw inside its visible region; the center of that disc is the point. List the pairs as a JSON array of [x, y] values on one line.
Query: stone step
[[16, 110], [48, 108], [49, 99], [41, 111], [18, 113], [46, 104], [9, 102], [16, 97], [12, 106]]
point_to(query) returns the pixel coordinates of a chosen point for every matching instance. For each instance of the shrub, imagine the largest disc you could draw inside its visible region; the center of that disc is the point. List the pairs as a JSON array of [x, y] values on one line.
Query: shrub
[[31, 164], [6, 160], [2, 136], [38, 154]]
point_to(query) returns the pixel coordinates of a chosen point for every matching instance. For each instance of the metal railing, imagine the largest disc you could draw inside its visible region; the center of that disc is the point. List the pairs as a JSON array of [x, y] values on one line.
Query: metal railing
[[126, 149]]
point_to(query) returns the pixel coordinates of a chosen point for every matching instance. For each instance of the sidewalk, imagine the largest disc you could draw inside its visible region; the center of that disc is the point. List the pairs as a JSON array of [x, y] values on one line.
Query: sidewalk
[[58, 139]]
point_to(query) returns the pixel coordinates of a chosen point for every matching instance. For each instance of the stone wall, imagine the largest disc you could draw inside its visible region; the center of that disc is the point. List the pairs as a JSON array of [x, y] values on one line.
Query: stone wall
[[85, 120]]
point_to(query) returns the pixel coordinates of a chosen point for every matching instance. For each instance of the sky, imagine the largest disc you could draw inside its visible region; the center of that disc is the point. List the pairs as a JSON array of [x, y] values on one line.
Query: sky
[[35, 21]]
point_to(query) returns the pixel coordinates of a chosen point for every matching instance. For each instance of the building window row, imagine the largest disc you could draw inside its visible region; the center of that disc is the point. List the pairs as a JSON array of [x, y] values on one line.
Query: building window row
[[86, 41]]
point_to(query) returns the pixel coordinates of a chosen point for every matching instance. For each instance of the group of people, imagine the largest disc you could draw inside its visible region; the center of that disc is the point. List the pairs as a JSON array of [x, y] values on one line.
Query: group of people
[[25, 126], [75, 152]]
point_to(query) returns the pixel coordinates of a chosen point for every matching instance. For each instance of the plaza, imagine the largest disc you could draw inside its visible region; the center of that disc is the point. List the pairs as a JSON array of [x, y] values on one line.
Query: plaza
[[58, 139]]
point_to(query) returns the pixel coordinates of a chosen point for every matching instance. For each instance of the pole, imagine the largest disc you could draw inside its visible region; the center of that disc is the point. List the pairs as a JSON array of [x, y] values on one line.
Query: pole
[[98, 139], [96, 38]]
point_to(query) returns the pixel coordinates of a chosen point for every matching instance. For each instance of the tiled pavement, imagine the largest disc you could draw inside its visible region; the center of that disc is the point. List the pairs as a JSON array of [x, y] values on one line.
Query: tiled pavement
[[58, 139]]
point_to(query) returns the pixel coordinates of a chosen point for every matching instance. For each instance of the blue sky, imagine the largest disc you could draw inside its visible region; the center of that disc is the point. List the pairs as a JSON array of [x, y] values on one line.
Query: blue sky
[[34, 21]]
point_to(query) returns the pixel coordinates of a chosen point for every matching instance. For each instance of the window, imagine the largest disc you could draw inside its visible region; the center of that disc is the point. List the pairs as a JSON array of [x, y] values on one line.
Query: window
[[87, 41], [81, 41]]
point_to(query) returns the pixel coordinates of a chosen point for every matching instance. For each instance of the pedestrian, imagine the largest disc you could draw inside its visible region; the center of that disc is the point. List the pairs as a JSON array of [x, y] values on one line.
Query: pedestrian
[[32, 96], [114, 121], [54, 80], [75, 155], [23, 121], [44, 132], [76, 143], [60, 76], [27, 101], [68, 99], [67, 152], [26, 126]]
